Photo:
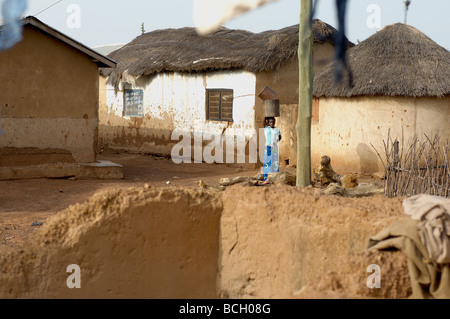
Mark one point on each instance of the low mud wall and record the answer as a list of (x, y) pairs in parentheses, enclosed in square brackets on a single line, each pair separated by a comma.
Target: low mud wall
[(287, 242), (131, 243), (245, 242)]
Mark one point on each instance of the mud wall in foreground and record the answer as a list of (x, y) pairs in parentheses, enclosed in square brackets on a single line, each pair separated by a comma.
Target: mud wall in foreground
[(245, 242), (287, 242), (133, 243)]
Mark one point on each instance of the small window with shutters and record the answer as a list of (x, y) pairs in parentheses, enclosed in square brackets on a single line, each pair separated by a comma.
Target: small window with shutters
[(219, 104)]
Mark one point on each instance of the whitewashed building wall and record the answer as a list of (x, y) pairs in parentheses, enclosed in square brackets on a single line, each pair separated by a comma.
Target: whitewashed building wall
[(175, 101)]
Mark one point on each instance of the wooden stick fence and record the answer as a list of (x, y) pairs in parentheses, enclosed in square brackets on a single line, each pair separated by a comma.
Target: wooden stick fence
[(421, 167)]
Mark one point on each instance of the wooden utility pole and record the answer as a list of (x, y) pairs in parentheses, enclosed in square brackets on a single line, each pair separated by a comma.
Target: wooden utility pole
[(303, 126)]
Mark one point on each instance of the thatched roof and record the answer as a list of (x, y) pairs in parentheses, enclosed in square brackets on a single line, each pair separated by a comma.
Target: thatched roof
[(183, 50), (398, 60)]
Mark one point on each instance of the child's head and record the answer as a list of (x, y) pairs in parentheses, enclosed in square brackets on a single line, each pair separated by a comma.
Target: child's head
[(270, 121)]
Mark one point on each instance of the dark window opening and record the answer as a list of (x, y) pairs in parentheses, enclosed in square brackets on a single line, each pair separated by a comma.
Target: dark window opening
[(219, 104)]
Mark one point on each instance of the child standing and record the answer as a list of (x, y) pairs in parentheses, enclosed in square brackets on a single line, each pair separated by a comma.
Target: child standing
[(273, 136)]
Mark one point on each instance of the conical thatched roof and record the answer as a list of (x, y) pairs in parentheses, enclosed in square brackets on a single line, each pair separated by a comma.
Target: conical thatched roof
[(398, 60), (183, 50)]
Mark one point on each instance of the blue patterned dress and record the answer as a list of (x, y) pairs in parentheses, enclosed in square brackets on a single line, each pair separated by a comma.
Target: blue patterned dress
[(271, 163)]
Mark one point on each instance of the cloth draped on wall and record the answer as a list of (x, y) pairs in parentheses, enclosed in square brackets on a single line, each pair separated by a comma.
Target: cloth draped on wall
[(433, 216), (424, 238), (271, 160)]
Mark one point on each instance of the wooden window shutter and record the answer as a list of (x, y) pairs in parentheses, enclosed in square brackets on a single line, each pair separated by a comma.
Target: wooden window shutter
[(219, 104)]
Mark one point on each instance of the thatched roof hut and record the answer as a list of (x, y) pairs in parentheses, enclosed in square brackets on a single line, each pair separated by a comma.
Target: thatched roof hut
[(398, 60), (183, 50)]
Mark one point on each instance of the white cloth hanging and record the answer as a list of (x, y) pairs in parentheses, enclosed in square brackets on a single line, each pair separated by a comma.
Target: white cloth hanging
[(208, 15)]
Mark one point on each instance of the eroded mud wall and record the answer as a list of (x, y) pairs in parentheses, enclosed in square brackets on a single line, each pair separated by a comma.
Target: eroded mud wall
[(282, 240), (245, 242), (134, 243)]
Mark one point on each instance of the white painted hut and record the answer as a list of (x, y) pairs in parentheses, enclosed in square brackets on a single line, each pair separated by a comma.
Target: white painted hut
[(398, 80)]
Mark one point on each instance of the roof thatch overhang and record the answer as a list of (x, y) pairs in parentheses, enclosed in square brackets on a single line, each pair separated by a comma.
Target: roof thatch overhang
[(183, 50)]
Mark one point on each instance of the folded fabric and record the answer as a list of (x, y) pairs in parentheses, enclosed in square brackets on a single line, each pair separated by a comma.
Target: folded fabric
[(433, 216), (428, 279)]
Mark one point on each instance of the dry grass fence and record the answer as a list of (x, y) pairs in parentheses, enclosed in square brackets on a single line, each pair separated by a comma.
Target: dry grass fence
[(417, 167)]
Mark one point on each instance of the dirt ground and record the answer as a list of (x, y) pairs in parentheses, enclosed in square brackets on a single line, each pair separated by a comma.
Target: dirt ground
[(24, 202)]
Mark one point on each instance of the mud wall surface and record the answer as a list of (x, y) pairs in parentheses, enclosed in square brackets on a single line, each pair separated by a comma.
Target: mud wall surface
[(132, 243), (245, 242), (348, 129), (352, 130), (283, 241), (48, 100)]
